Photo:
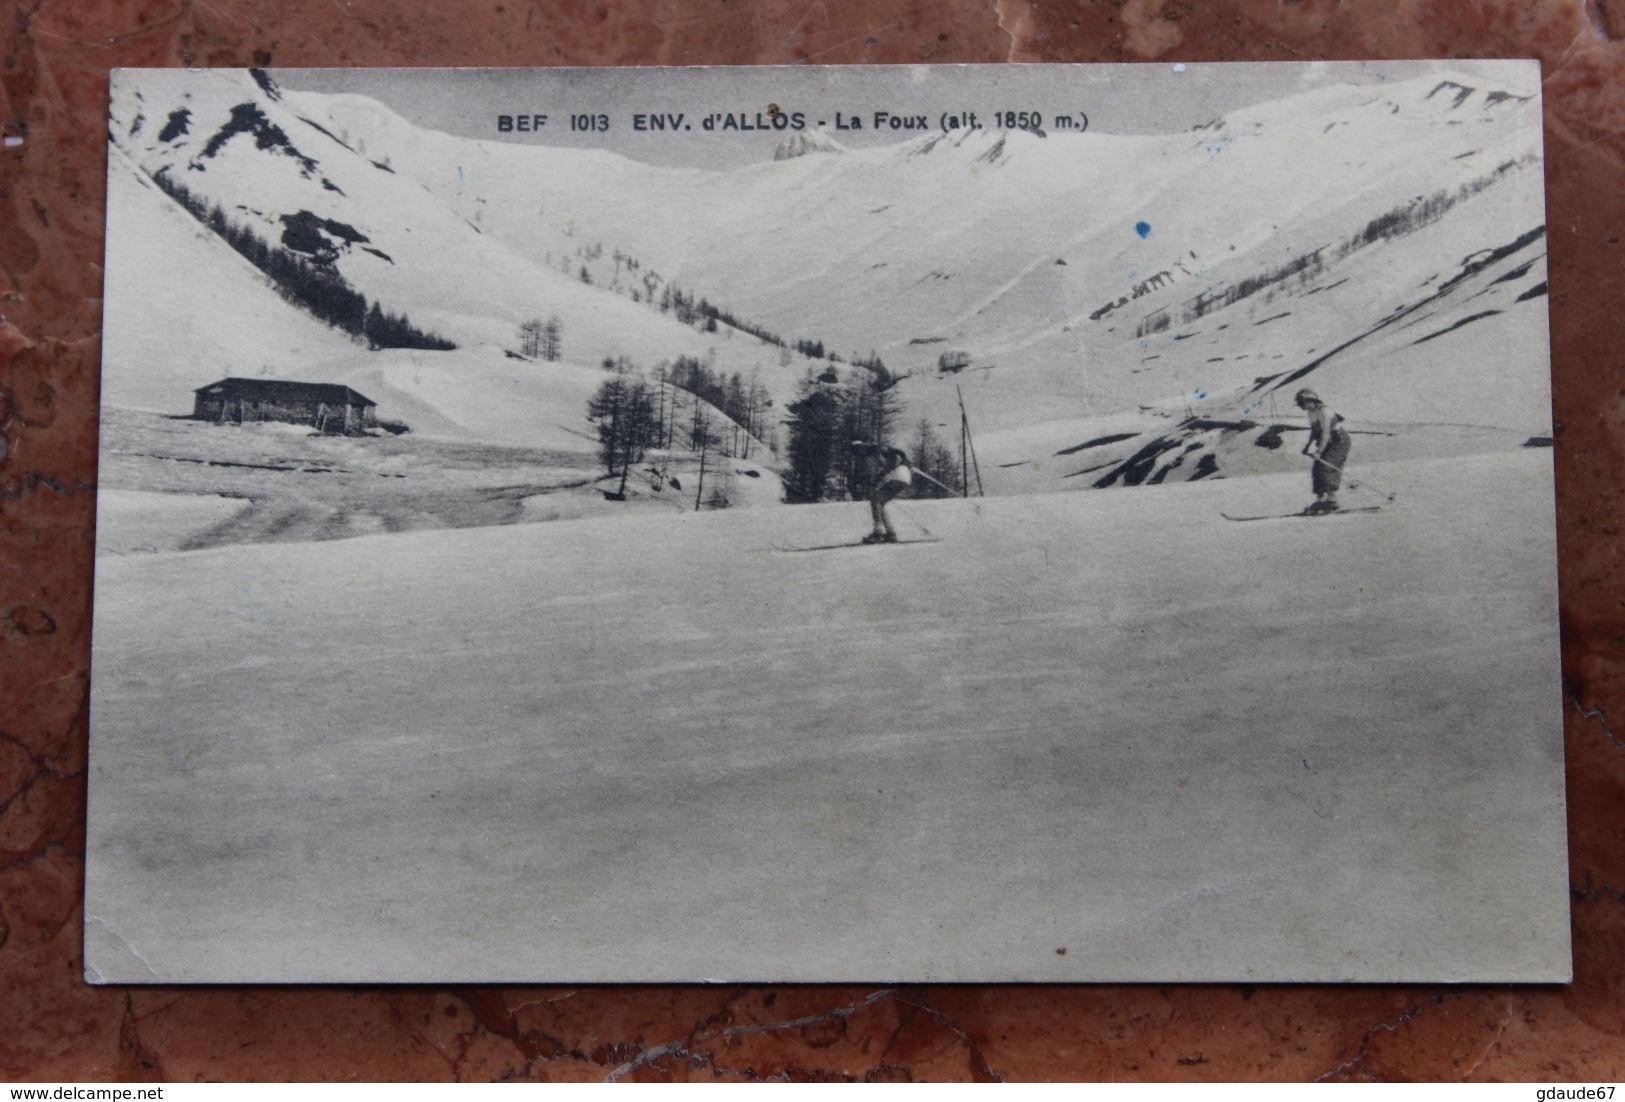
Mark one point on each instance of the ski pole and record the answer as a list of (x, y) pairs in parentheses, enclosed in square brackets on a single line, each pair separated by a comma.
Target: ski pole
[(938, 485), (1356, 484)]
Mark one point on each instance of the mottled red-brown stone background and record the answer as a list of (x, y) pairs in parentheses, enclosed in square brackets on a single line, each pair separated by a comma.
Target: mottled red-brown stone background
[(53, 94)]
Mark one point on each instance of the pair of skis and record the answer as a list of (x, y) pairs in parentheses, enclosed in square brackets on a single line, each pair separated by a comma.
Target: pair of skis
[(1387, 499), (860, 543), (928, 538), (1307, 513)]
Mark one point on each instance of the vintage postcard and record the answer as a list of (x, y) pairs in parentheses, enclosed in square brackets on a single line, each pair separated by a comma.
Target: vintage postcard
[(970, 523)]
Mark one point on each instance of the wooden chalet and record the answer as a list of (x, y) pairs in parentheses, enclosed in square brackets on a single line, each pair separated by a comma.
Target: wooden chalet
[(328, 407)]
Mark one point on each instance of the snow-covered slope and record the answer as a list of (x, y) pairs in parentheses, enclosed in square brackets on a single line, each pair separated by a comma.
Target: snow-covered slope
[(1384, 244), (143, 521), (182, 309), (1097, 273), (478, 393), (233, 142), (239, 146), (585, 717)]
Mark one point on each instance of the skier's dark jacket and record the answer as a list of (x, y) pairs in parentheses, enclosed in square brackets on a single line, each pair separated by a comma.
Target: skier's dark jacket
[(878, 461)]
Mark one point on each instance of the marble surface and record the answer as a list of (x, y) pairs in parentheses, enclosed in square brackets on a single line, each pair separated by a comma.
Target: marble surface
[(53, 86)]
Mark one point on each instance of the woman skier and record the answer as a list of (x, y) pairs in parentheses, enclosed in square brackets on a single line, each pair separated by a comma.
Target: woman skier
[(1329, 444)]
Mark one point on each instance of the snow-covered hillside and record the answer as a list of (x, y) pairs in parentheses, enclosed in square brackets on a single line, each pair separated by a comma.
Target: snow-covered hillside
[(232, 141), (1384, 244), (182, 309)]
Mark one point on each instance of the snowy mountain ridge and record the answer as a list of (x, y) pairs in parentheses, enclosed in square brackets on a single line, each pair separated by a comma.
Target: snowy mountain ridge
[(805, 142), (270, 169), (1143, 278)]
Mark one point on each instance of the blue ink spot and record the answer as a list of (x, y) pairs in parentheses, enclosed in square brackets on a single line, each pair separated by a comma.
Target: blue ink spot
[(1201, 394), (1143, 229)]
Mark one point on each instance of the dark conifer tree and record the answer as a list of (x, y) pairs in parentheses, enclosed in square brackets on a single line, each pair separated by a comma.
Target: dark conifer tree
[(815, 422)]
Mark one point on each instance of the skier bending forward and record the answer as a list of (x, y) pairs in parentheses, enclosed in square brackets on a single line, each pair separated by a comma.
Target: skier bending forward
[(1329, 444), (889, 475)]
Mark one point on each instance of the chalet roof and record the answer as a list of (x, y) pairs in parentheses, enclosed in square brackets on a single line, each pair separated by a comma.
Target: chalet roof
[(286, 390)]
